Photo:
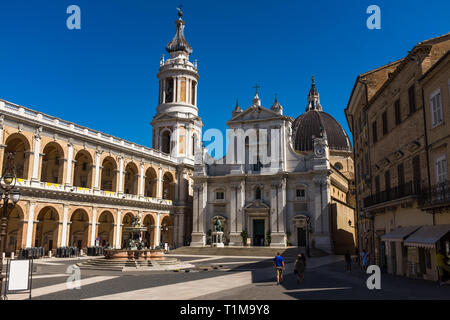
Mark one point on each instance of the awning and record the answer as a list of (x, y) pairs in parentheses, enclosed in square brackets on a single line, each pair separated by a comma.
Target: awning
[(399, 234), (427, 236)]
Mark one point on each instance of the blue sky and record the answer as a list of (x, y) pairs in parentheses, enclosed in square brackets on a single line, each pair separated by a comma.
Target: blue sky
[(104, 75)]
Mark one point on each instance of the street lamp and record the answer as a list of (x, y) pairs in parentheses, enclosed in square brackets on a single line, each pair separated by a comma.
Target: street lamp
[(7, 193)]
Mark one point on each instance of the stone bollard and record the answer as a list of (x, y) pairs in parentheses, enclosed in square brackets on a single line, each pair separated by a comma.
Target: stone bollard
[(12, 255), (50, 254)]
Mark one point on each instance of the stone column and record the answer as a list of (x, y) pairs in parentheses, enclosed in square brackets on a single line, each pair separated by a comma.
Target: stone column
[(158, 230), (69, 164), (182, 183), (277, 213), (321, 235), (180, 228), (121, 173), (160, 184), (69, 227), (176, 185), (30, 224), (64, 238), (98, 154), (188, 139), (141, 180), (36, 157), (118, 240), (235, 238), (200, 200), (94, 226), (174, 137)]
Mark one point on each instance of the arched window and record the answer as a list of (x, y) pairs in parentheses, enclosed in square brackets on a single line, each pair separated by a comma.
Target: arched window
[(168, 187), (83, 170), (131, 178), (338, 166), (109, 171), (165, 142), (194, 84), (169, 90), (19, 146), (52, 163)]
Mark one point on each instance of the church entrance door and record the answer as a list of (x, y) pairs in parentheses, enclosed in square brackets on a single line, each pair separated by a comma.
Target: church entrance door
[(258, 232), (301, 237)]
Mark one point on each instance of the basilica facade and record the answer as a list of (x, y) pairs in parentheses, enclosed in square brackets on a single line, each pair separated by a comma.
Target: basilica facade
[(302, 196), (80, 187)]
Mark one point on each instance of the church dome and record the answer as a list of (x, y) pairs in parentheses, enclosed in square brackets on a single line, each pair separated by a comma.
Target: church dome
[(314, 123)]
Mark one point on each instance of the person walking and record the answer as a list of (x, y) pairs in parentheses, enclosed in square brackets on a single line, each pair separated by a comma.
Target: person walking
[(443, 268), (348, 261), (365, 259), (299, 268), (279, 267)]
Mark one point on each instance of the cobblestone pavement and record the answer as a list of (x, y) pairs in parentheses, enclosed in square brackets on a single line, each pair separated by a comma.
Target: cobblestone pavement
[(231, 278)]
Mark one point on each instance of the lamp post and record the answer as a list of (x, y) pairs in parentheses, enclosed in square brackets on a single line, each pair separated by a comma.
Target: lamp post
[(8, 193), (164, 228)]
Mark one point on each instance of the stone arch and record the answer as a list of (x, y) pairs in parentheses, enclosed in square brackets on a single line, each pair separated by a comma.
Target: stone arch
[(165, 141), (19, 145), (16, 230), (149, 236), (109, 174), (52, 169), (126, 222), (167, 230), (131, 178), (79, 229), (151, 182), (168, 186), (47, 229), (82, 175), (105, 230)]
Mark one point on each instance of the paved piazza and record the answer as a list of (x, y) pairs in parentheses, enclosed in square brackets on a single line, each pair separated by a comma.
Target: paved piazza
[(229, 278)]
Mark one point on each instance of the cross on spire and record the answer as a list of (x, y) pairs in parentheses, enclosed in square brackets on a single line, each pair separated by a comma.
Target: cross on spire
[(180, 10), (256, 88)]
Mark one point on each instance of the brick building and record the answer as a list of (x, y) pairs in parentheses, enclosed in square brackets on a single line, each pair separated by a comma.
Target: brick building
[(397, 116)]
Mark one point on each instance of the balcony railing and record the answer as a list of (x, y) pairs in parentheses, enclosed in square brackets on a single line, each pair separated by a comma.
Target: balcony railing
[(87, 191), (437, 195), (412, 188)]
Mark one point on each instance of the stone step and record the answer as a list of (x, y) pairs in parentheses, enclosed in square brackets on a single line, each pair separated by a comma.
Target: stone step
[(291, 252)]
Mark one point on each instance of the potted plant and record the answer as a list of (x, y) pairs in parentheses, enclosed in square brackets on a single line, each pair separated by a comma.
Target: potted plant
[(244, 235), (268, 238)]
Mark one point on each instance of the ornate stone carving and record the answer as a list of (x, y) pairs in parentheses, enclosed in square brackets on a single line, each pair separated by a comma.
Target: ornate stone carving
[(198, 187)]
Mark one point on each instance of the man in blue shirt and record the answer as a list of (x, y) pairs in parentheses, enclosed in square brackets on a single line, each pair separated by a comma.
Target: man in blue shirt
[(279, 267)]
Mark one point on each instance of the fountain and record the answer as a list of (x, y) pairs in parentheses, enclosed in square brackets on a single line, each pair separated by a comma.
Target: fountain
[(135, 249), (135, 256)]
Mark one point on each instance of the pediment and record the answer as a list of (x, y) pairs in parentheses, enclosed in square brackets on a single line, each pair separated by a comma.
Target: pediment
[(255, 113), (257, 204)]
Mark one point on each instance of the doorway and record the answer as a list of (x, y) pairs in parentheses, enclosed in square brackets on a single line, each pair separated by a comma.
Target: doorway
[(258, 232), (301, 237)]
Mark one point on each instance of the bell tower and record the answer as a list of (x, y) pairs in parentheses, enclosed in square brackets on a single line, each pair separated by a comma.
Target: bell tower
[(177, 128)]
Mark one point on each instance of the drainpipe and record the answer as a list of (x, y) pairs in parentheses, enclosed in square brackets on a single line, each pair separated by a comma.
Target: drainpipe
[(427, 150)]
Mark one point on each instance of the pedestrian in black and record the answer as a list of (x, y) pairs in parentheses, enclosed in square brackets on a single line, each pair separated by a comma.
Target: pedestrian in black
[(348, 261), (299, 268)]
